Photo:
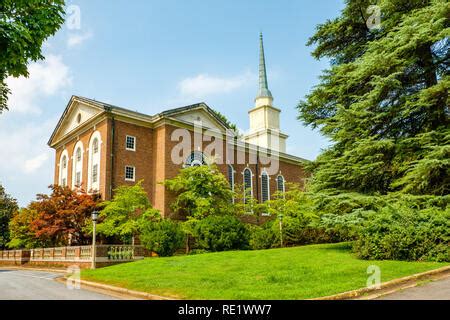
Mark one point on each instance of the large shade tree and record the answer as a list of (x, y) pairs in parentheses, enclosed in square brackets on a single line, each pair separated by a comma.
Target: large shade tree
[(24, 26), (384, 101), (8, 206)]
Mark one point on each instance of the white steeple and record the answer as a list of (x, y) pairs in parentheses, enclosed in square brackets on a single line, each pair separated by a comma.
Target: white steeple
[(264, 117)]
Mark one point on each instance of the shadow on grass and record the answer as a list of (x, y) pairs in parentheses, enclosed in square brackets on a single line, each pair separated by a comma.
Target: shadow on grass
[(342, 246)]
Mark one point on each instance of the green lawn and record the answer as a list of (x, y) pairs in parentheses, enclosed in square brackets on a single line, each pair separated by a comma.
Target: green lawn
[(288, 273)]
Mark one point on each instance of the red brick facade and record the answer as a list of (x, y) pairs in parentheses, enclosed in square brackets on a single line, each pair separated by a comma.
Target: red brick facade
[(152, 156)]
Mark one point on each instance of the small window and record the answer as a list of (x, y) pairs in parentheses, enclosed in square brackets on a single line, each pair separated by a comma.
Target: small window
[(79, 118), (95, 146), (129, 173), (94, 173), (64, 162), (64, 182), (130, 143)]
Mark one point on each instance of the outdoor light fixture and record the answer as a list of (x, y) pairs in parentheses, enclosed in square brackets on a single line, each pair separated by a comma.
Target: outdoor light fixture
[(94, 217)]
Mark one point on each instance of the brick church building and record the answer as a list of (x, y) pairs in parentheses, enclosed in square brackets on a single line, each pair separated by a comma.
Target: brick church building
[(100, 146)]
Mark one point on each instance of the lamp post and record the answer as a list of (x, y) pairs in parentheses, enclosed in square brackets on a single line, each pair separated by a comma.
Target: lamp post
[(94, 217), (280, 217)]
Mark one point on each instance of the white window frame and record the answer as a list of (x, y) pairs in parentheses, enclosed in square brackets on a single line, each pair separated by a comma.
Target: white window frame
[(78, 145), (63, 172), (284, 183), (134, 173), (94, 159), (126, 143)]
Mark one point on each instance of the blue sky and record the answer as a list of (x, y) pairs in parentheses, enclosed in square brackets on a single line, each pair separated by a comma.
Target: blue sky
[(153, 55)]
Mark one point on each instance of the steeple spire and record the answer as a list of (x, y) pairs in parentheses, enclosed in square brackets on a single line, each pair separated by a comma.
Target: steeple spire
[(263, 87)]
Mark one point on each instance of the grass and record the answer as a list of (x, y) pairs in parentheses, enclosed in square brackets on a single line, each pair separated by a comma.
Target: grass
[(288, 273)]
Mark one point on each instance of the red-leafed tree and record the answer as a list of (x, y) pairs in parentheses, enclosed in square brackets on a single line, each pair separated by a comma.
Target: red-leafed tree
[(63, 215)]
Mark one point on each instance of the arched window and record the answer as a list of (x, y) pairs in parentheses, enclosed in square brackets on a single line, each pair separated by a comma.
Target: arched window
[(248, 184), (77, 172), (63, 164), (94, 162), (281, 184), (265, 187), (195, 159)]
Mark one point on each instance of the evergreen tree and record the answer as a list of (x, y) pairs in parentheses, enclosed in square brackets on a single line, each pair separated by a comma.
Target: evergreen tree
[(384, 101)]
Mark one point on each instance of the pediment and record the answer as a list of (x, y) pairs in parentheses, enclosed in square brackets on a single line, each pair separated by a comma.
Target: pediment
[(76, 114), (200, 115)]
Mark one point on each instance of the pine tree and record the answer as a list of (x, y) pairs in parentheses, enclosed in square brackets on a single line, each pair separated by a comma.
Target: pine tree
[(384, 101)]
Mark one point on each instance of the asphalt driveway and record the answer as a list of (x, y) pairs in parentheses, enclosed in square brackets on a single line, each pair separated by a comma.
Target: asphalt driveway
[(435, 290), (38, 285)]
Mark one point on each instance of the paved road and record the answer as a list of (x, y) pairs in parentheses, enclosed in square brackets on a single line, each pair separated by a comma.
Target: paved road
[(37, 285), (436, 290)]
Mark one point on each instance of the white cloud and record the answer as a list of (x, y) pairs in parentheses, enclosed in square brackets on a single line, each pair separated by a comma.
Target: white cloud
[(204, 85), (35, 163), (45, 79), (75, 39)]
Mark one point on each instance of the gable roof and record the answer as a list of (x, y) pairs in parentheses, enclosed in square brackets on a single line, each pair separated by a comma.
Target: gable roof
[(106, 107)]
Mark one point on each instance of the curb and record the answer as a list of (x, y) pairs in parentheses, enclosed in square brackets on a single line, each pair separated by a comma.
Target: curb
[(389, 286), (118, 290)]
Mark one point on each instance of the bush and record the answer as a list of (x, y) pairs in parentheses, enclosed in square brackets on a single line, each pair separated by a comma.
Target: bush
[(400, 232), (163, 237), (220, 233), (263, 237)]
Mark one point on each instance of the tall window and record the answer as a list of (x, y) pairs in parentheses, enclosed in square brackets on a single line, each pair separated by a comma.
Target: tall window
[(248, 185), (265, 188), (230, 172), (130, 143), (77, 173), (195, 159), (95, 146), (63, 164), (95, 173), (280, 183)]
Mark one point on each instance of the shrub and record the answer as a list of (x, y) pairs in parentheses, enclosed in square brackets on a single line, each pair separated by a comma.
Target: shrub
[(263, 237), (163, 237), (220, 233), (400, 232)]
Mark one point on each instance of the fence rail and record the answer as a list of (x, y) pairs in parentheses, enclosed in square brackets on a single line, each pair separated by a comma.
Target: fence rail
[(81, 254)]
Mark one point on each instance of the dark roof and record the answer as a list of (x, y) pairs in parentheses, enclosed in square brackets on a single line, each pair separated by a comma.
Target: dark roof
[(109, 107)]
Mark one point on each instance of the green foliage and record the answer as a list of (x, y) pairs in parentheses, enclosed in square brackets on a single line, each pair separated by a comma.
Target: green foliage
[(164, 237), (22, 234), (200, 191), (221, 233), (24, 26), (124, 215), (8, 206), (263, 237), (400, 232), (388, 121)]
